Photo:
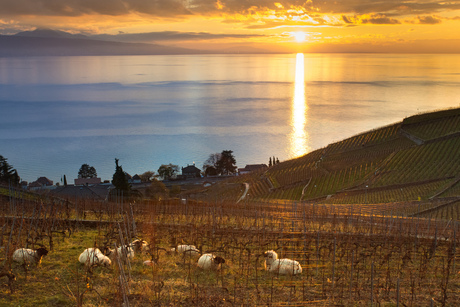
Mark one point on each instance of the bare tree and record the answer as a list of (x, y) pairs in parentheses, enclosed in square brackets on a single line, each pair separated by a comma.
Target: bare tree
[(210, 165)]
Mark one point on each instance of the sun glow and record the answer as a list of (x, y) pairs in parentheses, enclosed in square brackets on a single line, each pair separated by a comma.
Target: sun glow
[(299, 36), (299, 135)]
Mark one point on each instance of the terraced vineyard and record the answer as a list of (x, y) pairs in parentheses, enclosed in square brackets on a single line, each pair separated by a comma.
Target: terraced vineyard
[(428, 128), (417, 159)]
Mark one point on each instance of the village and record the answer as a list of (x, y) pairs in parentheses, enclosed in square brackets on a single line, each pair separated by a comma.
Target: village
[(94, 188)]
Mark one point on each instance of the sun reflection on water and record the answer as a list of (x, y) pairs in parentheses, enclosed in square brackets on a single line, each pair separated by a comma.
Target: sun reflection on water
[(299, 136)]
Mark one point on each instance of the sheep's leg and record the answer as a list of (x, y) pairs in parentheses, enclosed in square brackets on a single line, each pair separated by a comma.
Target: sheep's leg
[(25, 267), (11, 279)]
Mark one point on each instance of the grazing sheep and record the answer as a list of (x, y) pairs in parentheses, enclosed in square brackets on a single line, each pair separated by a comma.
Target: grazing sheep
[(190, 250), (139, 246), (93, 256), (210, 262), (28, 256), (281, 266), (150, 263), (124, 252)]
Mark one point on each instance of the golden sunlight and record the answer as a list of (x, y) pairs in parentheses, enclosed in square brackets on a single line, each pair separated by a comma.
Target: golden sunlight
[(299, 135), (299, 36)]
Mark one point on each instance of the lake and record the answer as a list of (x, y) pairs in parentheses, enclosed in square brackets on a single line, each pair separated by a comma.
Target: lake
[(57, 113)]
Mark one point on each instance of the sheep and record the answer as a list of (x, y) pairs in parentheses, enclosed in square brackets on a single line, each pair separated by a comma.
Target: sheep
[(26, 256), (139, 246), (281, 266), (210, 262), (123, 252), (93, 256), (150, 263), (190, 250)]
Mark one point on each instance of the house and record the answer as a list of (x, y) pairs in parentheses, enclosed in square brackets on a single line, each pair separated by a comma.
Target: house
[(191, 171), (250, 168), (45, 181), (136, 179), (40, 183), (87, 181)]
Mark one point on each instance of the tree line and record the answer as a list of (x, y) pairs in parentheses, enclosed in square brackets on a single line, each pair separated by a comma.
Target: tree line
[(217, 164), (223, 163), (272, 162)]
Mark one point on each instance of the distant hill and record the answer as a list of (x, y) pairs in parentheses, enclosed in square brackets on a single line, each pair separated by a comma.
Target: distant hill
[(48, 33), (417, 160), (242, 50), (44, 42)]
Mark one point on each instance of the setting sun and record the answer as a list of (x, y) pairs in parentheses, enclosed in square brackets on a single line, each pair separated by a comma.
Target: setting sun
[(299, 36)]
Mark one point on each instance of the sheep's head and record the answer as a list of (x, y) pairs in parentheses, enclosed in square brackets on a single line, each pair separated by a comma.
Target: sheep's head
[(106, 262), (41, 252), (270, 256), (218, 260), (139, 245)]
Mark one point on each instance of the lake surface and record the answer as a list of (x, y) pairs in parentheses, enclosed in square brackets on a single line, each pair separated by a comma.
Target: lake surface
[(57, 113)]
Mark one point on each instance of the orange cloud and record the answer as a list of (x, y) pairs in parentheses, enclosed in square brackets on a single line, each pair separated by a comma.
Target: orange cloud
[(378, 19), (427, 20)]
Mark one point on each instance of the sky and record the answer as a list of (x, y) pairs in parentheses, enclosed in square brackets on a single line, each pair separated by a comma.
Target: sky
[(422, 26)]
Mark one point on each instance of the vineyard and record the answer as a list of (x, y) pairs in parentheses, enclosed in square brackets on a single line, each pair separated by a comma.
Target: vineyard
[(433, 125), (415, 160), (351, 255)]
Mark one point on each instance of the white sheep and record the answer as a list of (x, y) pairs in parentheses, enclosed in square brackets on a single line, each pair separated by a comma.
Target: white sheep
[(93, 256), (139, 246), (123, 252), (150, 263), (28, 256), (281, 266), (190, 250), (210, 262)]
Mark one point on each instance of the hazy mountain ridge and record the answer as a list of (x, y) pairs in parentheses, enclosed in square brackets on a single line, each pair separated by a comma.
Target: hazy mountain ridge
[(57, 43), (47, 42), (49, 33)]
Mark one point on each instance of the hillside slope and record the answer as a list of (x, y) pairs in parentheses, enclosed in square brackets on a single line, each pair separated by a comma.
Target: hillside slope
[(416, 159)]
